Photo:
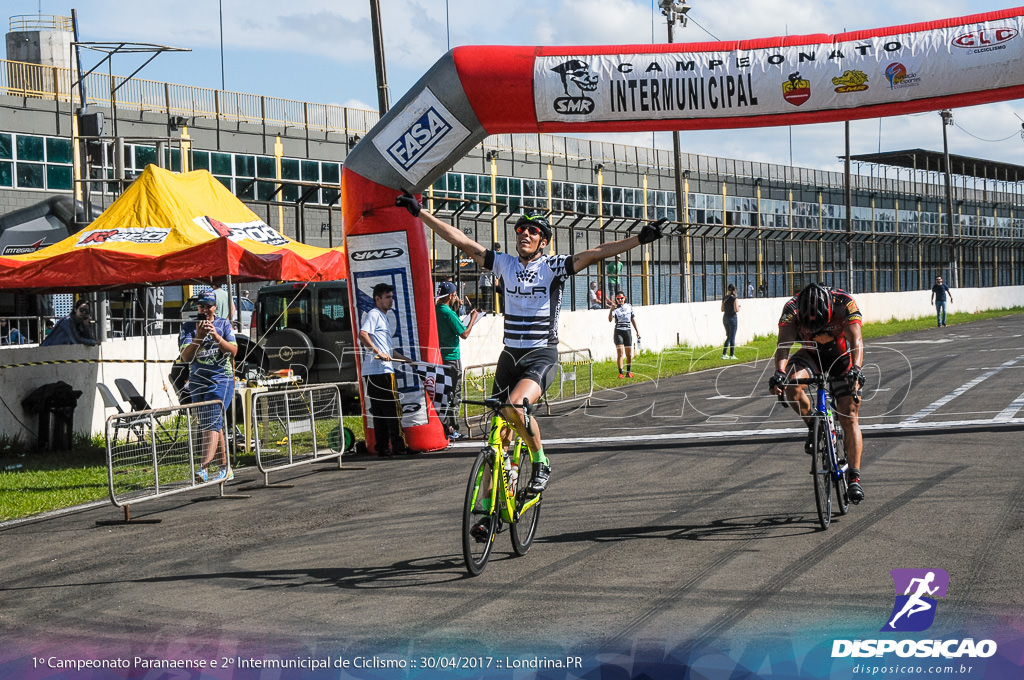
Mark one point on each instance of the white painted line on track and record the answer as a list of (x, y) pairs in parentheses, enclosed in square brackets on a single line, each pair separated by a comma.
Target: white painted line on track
[(1011, 410), (767, 432), (936, 405)]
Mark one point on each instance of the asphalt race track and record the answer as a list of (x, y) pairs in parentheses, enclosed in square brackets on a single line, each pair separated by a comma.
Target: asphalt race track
[(680, 525)]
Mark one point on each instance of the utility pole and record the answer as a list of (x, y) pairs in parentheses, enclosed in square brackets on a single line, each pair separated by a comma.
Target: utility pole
[(675, 10), (378, 58)]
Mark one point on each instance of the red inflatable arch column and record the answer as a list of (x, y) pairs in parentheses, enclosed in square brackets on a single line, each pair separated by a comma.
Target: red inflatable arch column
[(386, 244)]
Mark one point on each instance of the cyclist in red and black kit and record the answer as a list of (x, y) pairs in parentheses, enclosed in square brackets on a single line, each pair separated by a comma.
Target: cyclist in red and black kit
[(827, 323)]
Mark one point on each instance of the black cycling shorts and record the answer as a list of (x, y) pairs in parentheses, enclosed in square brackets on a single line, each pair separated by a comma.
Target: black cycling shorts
[(514, 364), (623, 337), (825, 359)]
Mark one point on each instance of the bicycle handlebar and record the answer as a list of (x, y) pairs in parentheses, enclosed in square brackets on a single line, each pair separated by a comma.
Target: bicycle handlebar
[(496, 405), (816, 380), (813, 380)]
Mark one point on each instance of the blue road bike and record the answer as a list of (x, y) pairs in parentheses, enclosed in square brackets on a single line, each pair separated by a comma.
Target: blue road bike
[(828, 461)]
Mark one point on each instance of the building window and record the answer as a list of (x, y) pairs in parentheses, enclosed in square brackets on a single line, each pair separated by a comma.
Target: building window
[(30, 148), (30, 176)]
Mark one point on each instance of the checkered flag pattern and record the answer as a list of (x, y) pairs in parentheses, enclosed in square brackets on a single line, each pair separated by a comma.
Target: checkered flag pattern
[(438, 381)]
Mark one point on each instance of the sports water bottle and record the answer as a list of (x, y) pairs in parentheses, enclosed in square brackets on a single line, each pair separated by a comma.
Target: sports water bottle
[(508, 475), (513, 476)]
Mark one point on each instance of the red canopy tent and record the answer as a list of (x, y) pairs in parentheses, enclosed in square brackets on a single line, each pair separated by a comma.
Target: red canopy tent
[(169, 228)]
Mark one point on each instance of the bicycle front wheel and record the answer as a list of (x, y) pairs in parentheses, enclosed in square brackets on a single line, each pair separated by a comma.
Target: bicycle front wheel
[(479, 513), (524, 527), (842, 495), (821, 470)]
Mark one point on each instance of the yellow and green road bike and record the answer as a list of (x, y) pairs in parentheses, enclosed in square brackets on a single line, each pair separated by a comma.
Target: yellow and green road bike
[(497, 491)]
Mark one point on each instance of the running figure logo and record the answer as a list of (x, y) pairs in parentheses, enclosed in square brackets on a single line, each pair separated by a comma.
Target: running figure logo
[(916, 593)]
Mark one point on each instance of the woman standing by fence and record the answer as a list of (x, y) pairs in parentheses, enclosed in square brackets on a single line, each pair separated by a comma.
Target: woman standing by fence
[(730, 319)]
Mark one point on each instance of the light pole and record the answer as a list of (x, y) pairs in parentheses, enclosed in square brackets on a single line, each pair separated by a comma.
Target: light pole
[(220, 15), (954, 260), (675, 10)]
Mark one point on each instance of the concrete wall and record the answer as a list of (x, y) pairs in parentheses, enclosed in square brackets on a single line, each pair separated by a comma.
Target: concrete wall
[(661, 327), (103, 364), (700, 324)]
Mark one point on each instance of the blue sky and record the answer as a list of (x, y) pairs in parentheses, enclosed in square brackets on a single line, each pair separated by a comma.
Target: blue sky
[(321, 51)]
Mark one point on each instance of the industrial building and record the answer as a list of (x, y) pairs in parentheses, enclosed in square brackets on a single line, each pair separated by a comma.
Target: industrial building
[(769, 225)]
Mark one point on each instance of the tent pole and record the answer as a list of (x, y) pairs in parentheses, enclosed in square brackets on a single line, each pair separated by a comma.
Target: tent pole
[(230, 408), (145, 340)]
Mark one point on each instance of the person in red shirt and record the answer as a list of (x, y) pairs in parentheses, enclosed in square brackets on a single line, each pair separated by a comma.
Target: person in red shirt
[(827, 324)]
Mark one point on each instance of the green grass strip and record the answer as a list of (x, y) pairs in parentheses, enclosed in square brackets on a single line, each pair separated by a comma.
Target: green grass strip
[(35, 482)]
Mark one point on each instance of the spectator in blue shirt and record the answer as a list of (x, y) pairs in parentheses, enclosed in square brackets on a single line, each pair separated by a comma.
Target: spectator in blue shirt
[(939, 293)]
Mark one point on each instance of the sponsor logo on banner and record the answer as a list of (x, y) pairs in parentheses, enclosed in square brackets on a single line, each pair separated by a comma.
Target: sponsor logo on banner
[(142, 235), (747, 81), (796, 90), (384, 258), (376, 254), (914, 609), (257, 230), (851, 81), (985, 39), (640, 86), (900, 77), (23, 249), (577, 80), (422, 135)]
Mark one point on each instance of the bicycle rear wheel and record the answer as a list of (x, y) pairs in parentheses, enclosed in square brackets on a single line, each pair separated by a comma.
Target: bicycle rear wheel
[(842, 496), (821, 470), (480, 494), (524, 528)]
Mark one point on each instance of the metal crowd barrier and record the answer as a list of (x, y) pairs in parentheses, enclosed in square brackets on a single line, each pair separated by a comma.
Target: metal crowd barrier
[(569, 385), (574, 381), (292, 427), (155, 453)]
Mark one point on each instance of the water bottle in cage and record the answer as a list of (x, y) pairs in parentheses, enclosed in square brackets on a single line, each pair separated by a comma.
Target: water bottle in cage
[(508, 476)]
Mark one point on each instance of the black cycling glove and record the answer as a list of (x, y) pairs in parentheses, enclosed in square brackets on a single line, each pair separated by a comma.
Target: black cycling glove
[(855, 377), (777, 380), (409, 202), (652, 231)]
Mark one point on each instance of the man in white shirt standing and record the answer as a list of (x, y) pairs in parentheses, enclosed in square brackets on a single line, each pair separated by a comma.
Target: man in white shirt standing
[(379, 374)]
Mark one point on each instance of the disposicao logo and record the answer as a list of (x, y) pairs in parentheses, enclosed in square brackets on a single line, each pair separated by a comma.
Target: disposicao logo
[(917, 594)]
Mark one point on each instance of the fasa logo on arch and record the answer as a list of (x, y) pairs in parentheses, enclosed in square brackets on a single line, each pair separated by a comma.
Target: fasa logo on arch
[(421, 136), (917, 591)]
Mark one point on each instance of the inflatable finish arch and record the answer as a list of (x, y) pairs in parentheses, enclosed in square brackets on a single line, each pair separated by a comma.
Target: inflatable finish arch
[(473, 92)]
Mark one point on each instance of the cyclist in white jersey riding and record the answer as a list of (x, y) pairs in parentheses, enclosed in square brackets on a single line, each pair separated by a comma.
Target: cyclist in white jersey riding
[(532, 300)]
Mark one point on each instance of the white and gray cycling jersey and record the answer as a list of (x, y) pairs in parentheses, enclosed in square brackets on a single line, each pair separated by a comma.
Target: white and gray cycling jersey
[(533, 296), (623, 314)]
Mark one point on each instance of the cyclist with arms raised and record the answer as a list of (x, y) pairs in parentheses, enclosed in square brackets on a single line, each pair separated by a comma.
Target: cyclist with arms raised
[(827, 322), (532, 300)]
